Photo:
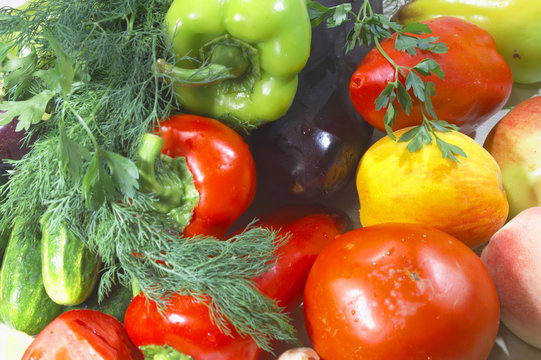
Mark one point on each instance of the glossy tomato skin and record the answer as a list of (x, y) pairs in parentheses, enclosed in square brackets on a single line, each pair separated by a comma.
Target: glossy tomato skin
[(312, 227), (477, 81), (187, 325), (222, 166), (83, 335), (400, 291)]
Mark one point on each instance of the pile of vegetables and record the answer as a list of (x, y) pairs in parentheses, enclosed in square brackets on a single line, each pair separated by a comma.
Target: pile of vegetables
[(170, 172)]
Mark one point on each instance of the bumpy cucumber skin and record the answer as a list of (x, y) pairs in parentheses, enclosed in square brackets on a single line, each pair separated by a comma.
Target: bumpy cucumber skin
[(69, 269), (24, 303)]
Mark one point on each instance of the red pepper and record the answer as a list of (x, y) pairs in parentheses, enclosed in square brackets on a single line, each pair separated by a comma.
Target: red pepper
[(83, 335), (187, 325), (219, 164), (477, 80)]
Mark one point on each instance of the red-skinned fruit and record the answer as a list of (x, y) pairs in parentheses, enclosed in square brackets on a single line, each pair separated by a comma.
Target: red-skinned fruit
[(187, 325), (222, 167), (400, 291), (477, 80), (83, 335)]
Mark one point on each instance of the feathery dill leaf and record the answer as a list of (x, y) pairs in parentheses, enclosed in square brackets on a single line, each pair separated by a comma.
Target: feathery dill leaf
[(96, 57)]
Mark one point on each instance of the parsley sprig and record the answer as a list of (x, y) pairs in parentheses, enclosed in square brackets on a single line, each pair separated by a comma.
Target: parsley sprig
[(370, 28)]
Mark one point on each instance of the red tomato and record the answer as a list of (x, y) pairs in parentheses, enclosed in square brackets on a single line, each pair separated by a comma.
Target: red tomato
[(312, 228), (83, 335), (187, 325), (400, 291), (477, 81), (222, 166)]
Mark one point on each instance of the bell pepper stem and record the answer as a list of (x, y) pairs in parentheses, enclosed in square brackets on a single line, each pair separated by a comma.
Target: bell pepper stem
[(224, 58), (168, 179)]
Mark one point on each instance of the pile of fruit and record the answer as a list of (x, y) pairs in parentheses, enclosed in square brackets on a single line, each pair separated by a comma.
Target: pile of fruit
[(249, 180)]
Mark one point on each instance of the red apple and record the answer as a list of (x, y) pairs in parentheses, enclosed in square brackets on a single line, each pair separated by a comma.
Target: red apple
[(513, 260), (515, 143)]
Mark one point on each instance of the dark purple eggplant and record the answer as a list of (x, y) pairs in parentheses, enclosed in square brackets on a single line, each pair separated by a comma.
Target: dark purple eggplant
[(313, 151), (12, 144)]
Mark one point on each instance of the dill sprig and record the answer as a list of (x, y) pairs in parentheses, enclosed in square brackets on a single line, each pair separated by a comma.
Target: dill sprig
[(85, 70)]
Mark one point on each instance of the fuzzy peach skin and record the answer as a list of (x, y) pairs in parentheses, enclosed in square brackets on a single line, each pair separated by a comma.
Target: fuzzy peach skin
[(515, 144), (513, 259)]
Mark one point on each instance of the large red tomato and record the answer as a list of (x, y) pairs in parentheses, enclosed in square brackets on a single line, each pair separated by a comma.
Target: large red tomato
[(400, 291)]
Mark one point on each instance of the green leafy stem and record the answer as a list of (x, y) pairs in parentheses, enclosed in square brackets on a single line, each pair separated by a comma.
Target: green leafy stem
[(369, 28)]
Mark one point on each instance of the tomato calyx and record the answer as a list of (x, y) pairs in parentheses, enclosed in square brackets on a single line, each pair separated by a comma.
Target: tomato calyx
[(162, 352), (168, 179)]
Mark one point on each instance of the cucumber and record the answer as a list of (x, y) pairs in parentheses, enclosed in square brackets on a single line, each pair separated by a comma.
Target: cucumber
[(69, 269), (24, 303)]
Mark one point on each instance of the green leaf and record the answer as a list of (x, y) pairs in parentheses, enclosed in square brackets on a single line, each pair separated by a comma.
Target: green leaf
[(72, 154), (29, 111), (124, 172), (417, 29), (429, 91), (449, 150), (97, 184), (101, 184), (334, 16), (339, 15), (404, 99), (414, 81), (443, 126), (416, 138), (384, 97), (405, 43), (19, 72), (389, 120), (429, 66), (64, 66)]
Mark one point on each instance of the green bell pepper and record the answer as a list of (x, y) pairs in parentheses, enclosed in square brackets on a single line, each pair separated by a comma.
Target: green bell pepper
[(252, 51), (515, 26)]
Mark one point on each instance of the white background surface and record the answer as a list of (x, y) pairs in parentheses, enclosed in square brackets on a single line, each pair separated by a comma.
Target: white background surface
[(508, 346)]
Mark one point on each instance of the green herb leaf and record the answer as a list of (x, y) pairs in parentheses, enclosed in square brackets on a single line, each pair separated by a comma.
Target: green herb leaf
[(29, 111), (124, 172), (72, 154), (414, 81), (406, 43), (450, 150), (19, 72), (334, 16), (404, 99), (416, 138), (97, 184), (101, 184), (383, 99), (416, 28), (429, 66)]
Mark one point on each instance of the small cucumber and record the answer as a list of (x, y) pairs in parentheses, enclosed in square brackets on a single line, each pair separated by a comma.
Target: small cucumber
[(24, 303), (70, 270)]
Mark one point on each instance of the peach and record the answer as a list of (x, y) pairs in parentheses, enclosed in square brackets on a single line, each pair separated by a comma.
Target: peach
[(513, 259), (515, 144)]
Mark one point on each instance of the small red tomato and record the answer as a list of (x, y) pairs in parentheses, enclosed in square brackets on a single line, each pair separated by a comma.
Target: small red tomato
[(83, 335), (222, 166), (400, 291)]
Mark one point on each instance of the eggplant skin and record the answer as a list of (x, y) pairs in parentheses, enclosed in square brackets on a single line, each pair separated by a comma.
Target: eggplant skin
[(313, 151), (12, 146)]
